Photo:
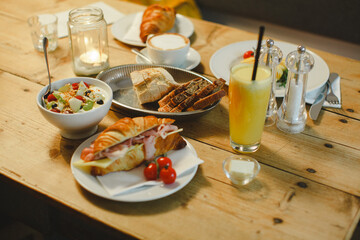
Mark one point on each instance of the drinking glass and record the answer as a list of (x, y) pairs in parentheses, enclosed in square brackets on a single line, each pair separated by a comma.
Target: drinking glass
[(248, 104), (44, 25)]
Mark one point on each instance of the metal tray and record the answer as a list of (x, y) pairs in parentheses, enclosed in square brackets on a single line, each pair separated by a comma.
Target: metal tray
[(126, 100)]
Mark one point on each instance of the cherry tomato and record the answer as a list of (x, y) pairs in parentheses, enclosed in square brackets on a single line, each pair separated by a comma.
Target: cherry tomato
[(80, 98), (168, 175), (164, 161), (75, 86), (248, 54), (51, 97), (150, 172)]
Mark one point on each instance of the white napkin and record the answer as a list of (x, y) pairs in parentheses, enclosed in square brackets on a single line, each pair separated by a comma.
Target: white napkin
[(133, 33), (110, 14), (119, 182), (310, 98)]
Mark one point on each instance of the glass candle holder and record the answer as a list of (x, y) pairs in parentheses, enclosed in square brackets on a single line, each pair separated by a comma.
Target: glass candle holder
[(88, 41)]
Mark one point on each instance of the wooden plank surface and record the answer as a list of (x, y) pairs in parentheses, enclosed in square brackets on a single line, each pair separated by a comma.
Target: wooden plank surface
[(277, 203), (308, 186)]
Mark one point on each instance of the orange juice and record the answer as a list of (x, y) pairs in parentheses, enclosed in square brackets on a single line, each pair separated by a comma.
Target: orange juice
[(248, 104)]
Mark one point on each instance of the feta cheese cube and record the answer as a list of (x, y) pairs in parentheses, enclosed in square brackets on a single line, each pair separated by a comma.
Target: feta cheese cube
[(75, 104)]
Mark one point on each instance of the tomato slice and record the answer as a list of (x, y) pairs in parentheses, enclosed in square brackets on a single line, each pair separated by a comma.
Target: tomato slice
[(87, 85), (51, 97), (75, 86), (80, 98), (55, 110)]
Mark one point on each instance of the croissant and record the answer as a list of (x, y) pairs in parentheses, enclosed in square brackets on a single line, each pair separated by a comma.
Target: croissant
[(127, 143), (156, 19)]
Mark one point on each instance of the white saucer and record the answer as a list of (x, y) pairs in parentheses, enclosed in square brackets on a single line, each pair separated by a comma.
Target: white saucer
[(193, 59)]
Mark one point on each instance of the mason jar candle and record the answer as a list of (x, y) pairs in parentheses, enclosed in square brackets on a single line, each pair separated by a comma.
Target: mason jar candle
[(88, 41)]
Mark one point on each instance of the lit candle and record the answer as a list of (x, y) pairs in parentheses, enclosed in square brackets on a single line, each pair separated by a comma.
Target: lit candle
[(93, 58), (91, 62)]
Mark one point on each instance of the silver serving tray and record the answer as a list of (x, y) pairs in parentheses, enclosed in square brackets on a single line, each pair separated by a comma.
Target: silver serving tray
[(126, 100)]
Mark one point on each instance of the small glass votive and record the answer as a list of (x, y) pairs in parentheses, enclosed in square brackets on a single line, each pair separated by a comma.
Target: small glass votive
[(44, 25), (241, 169), (88, 41)]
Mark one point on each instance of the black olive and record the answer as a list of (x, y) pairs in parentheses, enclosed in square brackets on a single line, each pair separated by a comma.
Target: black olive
[(100, 102), (87, 93), (54, 105)]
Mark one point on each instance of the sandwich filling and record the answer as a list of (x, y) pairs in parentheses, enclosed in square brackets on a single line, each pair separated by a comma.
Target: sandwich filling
[(146, 139)]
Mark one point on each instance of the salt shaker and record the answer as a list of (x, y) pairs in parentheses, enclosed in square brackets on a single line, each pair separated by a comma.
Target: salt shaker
[(88, 41), (271, 55), (292, 113)]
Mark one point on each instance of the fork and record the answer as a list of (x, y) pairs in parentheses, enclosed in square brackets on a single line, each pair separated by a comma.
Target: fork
[(331, 97)]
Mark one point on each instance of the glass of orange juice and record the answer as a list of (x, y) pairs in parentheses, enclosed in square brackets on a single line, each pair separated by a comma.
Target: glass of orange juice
[(248, 104)]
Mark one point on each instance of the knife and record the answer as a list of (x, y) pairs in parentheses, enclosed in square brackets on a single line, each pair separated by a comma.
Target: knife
[(318, 103)]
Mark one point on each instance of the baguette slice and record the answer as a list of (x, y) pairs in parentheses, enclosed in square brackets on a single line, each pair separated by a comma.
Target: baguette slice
[(207, 101), (166, 99), (201, 93), (190, 90), (152, 84)]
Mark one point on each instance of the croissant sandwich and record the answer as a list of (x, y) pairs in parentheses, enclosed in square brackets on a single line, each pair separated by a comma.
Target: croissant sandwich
[(129, 142), (156, 19)]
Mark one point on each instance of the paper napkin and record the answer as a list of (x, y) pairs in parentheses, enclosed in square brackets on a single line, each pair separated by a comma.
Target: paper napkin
[(120, 182), (310, 98), (111, 15), (133, 34)]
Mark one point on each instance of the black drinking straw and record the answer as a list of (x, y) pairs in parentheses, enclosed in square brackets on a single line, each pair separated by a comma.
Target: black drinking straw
[(261, 34)]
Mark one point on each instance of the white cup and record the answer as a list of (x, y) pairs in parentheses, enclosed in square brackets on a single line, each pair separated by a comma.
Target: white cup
[(168, 48)]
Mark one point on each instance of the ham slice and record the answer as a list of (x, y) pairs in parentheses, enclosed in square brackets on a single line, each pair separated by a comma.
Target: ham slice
[(119, 150)]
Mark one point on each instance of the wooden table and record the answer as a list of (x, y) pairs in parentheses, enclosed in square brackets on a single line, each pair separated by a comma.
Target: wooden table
[(308, 187)]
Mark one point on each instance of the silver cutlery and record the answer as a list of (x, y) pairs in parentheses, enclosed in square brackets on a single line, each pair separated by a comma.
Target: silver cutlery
[(137, 52), (331, 97), (48, 90), (318, 103)]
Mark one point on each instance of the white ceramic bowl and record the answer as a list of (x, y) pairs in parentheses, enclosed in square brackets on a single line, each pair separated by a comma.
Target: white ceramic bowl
[(77, 125)]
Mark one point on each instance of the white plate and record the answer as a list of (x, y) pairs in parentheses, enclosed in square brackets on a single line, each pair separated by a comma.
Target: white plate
[(221, 60), (182, 26), (141, 194), (192, 60)]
